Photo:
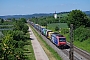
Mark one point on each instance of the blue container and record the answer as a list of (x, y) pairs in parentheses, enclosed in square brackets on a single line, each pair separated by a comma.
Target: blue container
[(54, 38), (42, 28)]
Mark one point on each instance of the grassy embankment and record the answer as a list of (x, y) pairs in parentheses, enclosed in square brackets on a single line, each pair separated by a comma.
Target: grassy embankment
[(51, 53), (85, 45)]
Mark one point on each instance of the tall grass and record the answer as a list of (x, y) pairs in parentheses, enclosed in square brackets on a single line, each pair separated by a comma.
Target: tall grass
[(85, 45)]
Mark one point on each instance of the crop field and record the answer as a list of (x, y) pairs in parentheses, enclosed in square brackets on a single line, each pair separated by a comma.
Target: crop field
[(60, 25), (62, 15)]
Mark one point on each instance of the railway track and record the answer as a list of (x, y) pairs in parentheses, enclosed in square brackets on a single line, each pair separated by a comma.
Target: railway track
[(78, 53), (67, 53), (84, 54)]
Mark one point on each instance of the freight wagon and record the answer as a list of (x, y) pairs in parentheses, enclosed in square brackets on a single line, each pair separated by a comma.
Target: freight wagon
[(42, 29), (56, 38), (47, 33)]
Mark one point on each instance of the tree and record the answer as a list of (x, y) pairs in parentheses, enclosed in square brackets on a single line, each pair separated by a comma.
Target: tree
[(77, 18), (1, 51), (8, 46), (81, 34), (17, 35), (57, 28), (13, 19), (2, 21), (63, 19), (19, 25), (23, 20), (25, 28), (12, 44), (1, 35), (88, 23), (9, 19)]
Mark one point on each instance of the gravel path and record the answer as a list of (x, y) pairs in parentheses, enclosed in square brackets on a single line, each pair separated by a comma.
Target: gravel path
[(38, 50)]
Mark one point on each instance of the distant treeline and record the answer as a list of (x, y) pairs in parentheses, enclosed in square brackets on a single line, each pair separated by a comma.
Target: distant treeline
[(37, 15)]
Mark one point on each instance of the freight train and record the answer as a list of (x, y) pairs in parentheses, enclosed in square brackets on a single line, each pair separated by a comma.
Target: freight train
[(56, 38)]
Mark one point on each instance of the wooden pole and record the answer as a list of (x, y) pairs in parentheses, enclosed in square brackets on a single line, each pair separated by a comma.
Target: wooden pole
[(71, 42)]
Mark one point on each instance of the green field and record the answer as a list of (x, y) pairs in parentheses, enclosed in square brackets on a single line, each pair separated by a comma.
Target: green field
[(62, 15), (60, 25)]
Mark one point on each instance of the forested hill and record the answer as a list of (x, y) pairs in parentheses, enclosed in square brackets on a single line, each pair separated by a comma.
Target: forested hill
[(36, 15), (65, 13), (26, 16), (87, 12)]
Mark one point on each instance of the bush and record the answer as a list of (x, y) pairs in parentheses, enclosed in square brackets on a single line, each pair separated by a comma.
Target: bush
[(19, 53), (56, 28), (11, 57), (81, 34), (17, 35), (21, 26), (65, 30), (19, 44), (1, 51)]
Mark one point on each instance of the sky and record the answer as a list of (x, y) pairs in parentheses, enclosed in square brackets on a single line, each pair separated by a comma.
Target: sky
[(24, 7)]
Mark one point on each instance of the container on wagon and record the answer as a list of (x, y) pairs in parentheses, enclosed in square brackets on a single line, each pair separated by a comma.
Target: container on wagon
[(42, 28), (47, 33), (44, 31)]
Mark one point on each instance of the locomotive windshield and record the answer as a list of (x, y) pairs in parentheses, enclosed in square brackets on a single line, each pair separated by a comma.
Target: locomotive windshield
[(62, 39)]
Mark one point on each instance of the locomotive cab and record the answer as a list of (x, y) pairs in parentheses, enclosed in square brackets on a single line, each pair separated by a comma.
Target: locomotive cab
[(62, 41)]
